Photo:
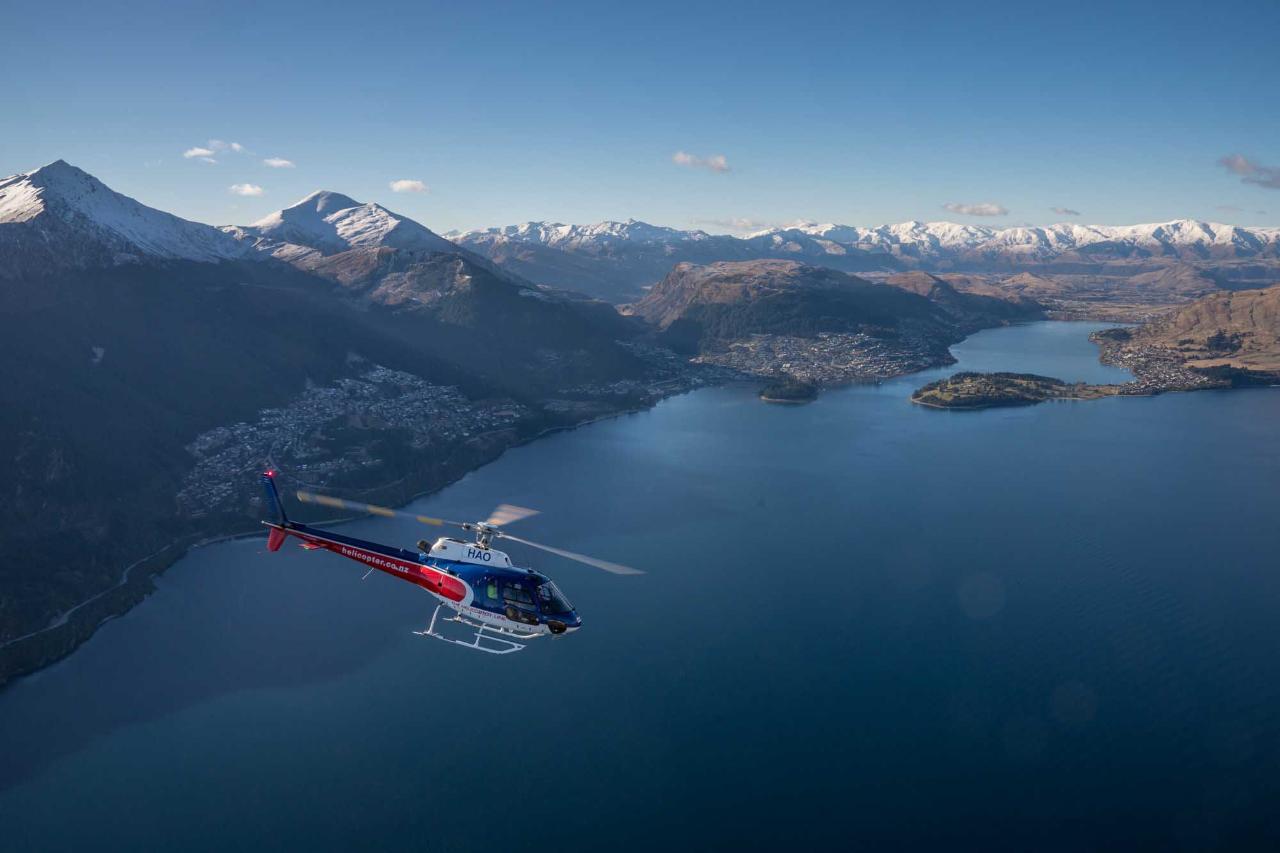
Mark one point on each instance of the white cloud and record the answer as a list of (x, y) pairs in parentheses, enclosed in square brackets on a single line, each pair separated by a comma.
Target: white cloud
[(715, 163), (983, 209), (404, 185), (206, 153), (246, 189), (1065, 211), (278, 163)]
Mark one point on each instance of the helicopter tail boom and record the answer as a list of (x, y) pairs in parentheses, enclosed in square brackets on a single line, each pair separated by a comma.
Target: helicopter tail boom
[(276, 508)]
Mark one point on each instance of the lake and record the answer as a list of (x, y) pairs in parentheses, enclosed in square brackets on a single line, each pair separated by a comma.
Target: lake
[(864, 623)]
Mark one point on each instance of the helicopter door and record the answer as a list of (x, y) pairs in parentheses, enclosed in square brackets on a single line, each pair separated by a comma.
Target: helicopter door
[(487, 593), (518, 604)]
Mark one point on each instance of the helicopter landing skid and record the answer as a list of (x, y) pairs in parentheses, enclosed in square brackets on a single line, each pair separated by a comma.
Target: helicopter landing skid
[(488, 643)]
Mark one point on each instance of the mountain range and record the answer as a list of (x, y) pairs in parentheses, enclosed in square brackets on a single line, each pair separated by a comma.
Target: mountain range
[(152, 364), (1186, 239), (61, 217), (618, 260)]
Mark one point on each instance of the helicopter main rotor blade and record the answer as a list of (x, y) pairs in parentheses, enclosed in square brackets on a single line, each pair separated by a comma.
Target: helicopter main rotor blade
[(506, 513), (615, 568), (371, 509)]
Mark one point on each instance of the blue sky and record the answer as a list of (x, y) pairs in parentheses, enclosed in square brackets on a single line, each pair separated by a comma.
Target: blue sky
[(854, 113)]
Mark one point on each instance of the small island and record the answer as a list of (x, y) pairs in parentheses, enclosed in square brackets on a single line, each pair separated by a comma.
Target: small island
[(789, 389), (986, 390)]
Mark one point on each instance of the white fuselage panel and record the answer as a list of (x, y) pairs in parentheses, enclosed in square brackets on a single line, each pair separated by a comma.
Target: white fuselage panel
[(469, 552)]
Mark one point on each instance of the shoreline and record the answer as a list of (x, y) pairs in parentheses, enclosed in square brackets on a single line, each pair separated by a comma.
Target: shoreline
[(32, 652)]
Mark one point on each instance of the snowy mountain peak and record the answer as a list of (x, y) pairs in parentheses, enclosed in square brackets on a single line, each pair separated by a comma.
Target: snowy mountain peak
[(25, 196), (558, 235), (80, 221), (936, 240), (308, 212), (60, 171), (327, 201), (329, 222)]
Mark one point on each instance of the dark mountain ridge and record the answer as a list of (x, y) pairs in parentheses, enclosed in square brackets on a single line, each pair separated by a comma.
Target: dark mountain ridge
[(701, 305), (133, 337)]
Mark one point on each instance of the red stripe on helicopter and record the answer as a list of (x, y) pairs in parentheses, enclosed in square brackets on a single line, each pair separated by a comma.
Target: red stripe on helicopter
[(424, 576)]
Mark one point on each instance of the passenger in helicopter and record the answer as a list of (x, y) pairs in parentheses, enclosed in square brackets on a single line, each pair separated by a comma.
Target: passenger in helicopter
[(519, 603)]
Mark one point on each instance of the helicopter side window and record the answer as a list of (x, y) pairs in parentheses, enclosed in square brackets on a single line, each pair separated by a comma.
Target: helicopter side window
[(516, 594)]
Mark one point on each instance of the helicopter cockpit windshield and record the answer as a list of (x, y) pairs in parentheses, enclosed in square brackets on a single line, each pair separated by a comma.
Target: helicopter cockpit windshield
[(552, 601)]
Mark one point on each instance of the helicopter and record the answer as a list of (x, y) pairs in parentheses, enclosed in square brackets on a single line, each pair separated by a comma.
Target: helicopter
[(506, 606)]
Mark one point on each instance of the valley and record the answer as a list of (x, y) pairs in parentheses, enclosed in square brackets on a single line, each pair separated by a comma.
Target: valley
[(154, 365)]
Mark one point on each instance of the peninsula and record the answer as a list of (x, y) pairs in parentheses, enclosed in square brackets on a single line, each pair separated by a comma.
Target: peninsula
[(971, 390)]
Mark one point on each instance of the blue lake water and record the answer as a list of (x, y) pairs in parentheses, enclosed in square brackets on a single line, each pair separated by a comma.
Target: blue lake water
[(864, 624)]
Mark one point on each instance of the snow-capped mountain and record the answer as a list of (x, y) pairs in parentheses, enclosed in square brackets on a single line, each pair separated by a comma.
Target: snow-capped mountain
[(561, 236), (328, 223), (618, 260), (917, 239), (371, 252), (59, 217), (1185, 239)]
